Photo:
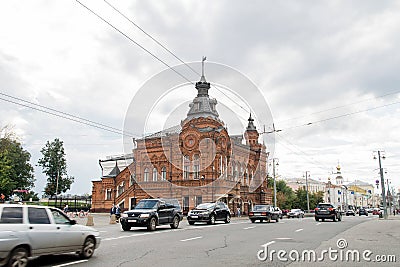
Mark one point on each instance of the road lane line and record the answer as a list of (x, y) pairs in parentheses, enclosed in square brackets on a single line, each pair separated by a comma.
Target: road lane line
[(299, 230), (70, 263), (193, 238), (318, 223), (283, 238), (250, 227), (267, 244)]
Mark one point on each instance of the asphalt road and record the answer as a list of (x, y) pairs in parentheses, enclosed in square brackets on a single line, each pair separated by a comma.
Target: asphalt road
[(236, 244)]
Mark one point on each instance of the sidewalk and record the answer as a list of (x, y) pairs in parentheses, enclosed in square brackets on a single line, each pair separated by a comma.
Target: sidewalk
[(377, 238)]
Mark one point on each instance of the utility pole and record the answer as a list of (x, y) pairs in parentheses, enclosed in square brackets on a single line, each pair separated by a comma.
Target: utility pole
[(385, 212), (308, 200)]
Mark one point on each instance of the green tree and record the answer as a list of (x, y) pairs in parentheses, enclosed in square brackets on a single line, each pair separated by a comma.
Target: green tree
[(16, 172), (284, 195), (54, 166), (301, 199)]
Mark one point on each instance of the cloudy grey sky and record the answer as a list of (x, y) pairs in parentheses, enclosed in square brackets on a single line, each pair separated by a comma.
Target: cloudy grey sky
[(312, 60)]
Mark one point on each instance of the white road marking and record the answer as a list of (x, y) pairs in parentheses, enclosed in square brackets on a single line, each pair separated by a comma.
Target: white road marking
[(283, 238), (70, 263), (173, 230), (267, 244), (318, 223), (193, 238), (251, 227), (299, 230)]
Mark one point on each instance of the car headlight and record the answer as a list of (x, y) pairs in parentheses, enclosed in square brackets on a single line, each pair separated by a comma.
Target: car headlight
[(124, 215), (145, 215)]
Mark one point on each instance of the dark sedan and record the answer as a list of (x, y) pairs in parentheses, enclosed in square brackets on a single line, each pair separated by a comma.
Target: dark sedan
[(263, 213), (363, 211), (209, 213)]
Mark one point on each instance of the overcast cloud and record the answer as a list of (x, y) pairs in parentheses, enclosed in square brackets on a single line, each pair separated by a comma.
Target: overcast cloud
[(312, 60)]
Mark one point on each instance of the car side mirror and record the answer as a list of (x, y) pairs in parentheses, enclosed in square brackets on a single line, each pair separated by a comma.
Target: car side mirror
[(73, 222), (162, 206)]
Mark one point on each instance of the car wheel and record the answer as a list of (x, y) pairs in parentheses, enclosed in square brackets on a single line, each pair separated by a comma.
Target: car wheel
[(252, 220), (18, 257), (191, 222), (212, 219), (88, 248), (152, 224), (228, 219), (175, 223), (298, 216), (125, 227)]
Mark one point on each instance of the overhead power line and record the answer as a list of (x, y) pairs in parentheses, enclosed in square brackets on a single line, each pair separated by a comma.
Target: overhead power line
[(63, 115), (342, 106), (160, 44), (133, 41), (339, 116)]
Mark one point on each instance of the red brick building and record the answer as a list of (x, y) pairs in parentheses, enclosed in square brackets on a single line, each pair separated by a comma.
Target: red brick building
[(194, 162)]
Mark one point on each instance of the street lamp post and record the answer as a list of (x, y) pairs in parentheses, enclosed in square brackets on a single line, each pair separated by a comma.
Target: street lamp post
[(308, 199), (273, 173), (385, 213)]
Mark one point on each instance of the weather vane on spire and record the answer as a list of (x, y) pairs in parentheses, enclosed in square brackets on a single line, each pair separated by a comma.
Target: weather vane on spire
[(202, 65)]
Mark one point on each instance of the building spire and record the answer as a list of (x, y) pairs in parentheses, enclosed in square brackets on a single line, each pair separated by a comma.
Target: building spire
[(250, 126), (203, 78)]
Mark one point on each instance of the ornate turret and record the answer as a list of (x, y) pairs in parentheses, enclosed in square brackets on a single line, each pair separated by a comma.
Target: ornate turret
[(202, 105), (251, 133)]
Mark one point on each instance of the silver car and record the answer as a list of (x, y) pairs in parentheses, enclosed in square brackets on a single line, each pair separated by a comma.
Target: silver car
[(28, 230)]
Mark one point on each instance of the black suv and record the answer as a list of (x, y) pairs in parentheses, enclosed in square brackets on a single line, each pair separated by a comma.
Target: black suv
[(209, 212), (153, 212), (327, 211)]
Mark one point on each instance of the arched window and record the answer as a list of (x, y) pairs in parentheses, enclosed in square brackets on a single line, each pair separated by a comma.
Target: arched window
[(233, 170), (186, 167), (163, 173), (236, 173), (196, 167), (154, 174), (146, 175)]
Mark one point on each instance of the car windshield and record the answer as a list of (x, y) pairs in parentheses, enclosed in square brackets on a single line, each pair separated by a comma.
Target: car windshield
[(147, 204), (205, 206), (261, 207)]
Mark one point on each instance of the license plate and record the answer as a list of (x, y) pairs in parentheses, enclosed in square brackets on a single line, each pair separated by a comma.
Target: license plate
[(132, 220), (257, 214), (195, 216)]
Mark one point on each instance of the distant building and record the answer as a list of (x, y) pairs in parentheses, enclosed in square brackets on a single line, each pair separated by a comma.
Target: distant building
[(196, 161)]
